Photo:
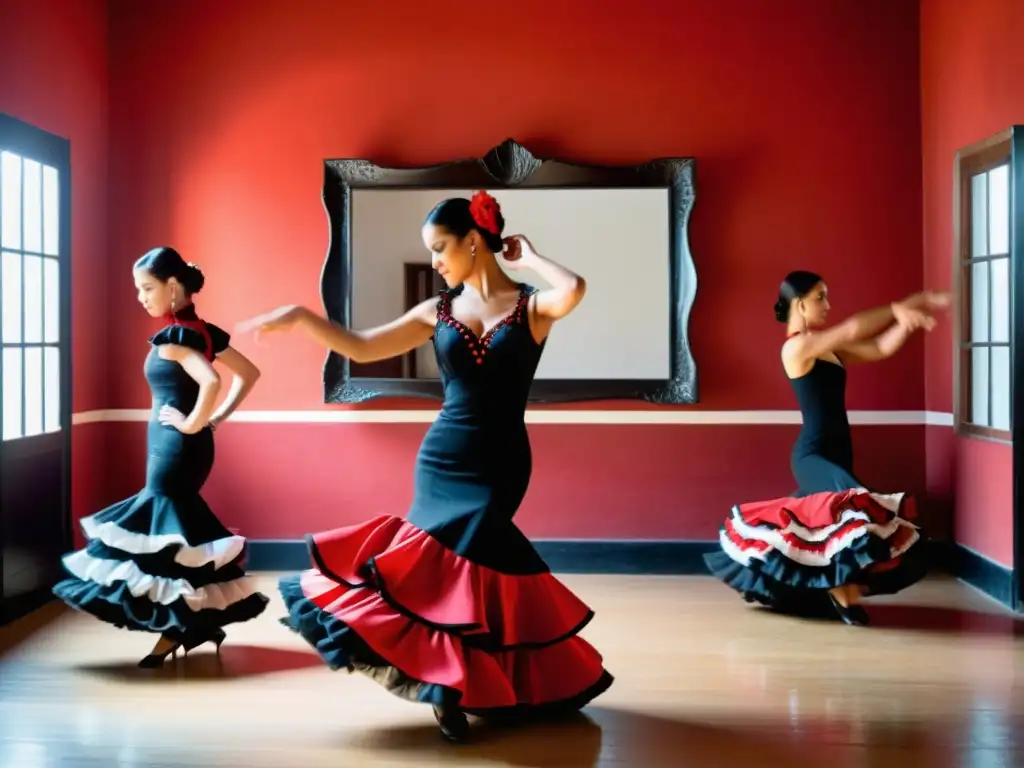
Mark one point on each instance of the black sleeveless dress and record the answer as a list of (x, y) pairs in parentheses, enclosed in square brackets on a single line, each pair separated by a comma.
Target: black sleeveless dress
[(160, 561), (786, 553), (452, 605)]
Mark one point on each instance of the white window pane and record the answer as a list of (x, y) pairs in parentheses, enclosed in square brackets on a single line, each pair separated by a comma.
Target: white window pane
[(10, 297), (1000, 299), (51, 396), (51, 301), (32, 205), (33, 390), (1001, 387), (979, 386), (33, 298), (979, 301), (51, 211), (999, 210), (10, 200), (979, 215), (12, 392)]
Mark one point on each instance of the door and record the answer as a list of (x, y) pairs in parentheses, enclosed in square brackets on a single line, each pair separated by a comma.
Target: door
[(421, 283), (35, 363)]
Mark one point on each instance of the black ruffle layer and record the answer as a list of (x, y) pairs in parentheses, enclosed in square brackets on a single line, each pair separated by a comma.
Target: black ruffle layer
[(115, 604)]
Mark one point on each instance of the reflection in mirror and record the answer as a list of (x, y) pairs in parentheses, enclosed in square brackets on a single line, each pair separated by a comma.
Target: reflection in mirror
[(624, 228), (617, 239)]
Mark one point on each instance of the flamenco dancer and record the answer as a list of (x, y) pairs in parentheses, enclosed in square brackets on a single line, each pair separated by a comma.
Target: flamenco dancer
[(834, 541), (160, 561), (452, 606)]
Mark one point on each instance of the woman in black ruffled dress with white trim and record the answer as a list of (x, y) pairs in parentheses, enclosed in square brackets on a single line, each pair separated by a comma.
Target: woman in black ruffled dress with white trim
[(161, 561)]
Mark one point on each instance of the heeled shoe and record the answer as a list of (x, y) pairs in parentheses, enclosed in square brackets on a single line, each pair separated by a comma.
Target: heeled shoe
[(854, 615), (156, 660), (216, 637), (453, 723)]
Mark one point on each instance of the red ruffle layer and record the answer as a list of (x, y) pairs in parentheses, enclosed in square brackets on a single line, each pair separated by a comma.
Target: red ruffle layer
[(446, 590), (820, 510), (421, 607)]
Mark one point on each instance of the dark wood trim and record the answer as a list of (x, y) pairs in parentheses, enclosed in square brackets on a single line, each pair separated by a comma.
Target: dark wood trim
[(976, 158), (18, 606), (511, 165), (667, 557), (1017, 355), (607, 556), (988, 576)]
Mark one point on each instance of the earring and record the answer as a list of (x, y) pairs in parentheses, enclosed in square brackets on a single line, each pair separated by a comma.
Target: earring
[(472, 250), (174, 303)]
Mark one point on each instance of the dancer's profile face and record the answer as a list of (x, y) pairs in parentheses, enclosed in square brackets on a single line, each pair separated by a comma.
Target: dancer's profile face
[(450, 256), (155, 295), (814, 305)]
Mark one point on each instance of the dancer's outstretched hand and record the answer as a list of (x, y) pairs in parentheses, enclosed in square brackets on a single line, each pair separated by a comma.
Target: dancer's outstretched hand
[(912, 319), (280, 319), (936, 301)]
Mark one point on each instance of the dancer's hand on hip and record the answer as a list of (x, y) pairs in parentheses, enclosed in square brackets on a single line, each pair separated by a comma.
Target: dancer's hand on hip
[(280, 319), (171, 417)]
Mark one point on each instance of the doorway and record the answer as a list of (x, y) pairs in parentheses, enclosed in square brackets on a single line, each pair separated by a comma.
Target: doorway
[(35, 363)]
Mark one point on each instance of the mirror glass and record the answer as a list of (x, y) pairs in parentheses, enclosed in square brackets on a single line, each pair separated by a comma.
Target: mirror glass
[(617, 239)]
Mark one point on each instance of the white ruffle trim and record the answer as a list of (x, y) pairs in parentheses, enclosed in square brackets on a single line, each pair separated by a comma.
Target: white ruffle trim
[(219, 552), (837, 536), (157, 589)]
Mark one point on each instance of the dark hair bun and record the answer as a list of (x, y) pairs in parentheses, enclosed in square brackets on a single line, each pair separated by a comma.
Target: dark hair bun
[(782, 310), (164, 262), (192, 278), (456, 214)]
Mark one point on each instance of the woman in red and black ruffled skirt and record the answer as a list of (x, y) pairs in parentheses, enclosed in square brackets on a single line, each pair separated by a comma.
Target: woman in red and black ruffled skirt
[(833, 541), (452, 606)]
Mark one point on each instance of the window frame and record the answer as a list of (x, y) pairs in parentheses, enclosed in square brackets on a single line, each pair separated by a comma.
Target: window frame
[(978, 158), (23, 346)]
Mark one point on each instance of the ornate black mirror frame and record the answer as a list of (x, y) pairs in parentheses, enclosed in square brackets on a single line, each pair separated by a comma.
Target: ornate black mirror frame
[(510, 165)]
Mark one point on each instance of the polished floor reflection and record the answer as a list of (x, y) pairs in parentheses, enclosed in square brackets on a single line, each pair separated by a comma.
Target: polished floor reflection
[(702, 680)]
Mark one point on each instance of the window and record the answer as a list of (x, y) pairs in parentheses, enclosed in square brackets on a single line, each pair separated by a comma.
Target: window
[(983, 280), (30, 268)]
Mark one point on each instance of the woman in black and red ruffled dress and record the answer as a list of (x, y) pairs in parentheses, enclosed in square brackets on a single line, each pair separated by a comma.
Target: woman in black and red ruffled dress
[(452, 606), (833, 541)]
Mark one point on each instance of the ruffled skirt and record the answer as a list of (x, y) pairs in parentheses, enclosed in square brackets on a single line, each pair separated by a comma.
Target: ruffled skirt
[(388, 600), (159, 564), (785, 553)]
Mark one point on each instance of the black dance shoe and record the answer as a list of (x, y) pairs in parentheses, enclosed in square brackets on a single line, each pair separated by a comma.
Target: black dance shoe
[(216, 637), (453, 723), (854, 615), (156, 660)]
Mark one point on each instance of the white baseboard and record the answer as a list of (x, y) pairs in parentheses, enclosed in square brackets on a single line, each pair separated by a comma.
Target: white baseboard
[(541, 416)]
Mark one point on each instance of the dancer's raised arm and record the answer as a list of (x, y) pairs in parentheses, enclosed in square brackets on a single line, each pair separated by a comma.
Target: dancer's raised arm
[(567, 288), (803, 305)]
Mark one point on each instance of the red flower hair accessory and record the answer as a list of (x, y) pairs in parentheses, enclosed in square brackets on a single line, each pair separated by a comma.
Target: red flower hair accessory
[(485, 209)]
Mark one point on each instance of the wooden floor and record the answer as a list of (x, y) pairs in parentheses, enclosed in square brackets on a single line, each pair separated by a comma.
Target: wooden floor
[(702, 680)]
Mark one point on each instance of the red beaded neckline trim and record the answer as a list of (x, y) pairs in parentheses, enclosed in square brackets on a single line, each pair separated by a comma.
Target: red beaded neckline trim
[(479, 345)]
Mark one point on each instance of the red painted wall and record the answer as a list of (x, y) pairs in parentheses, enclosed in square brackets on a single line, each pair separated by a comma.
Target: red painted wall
[(971, 58), (805, 120), (54, 65)]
